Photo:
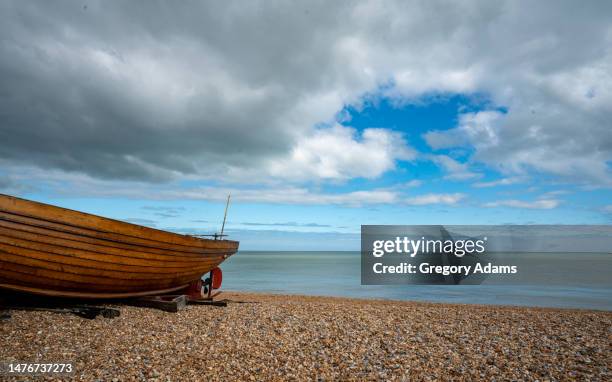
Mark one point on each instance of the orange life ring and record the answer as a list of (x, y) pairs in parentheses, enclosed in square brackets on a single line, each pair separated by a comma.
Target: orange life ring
[(217, 277)]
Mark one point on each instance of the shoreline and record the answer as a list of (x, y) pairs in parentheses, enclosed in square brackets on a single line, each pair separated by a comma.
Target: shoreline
[(263, 336), (425, 302)]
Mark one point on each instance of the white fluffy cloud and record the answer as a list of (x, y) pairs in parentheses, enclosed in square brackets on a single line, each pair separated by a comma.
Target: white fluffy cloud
[(515, 144), (340, 153), (540, 204), (435, 199), (455, 170), (474, 128), (500, 182)]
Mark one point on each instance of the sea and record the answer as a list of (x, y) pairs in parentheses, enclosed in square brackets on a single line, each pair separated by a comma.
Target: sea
[(564, 280)]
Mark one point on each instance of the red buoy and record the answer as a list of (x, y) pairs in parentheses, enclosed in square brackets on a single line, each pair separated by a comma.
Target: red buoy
[(217, 277)]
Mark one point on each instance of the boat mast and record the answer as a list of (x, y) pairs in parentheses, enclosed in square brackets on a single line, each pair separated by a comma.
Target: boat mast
[(225, 215)]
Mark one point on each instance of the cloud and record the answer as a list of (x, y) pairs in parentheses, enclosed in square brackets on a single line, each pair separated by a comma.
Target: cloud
[(435, 199), (6, 184), (130, 91), (607, 209), (59, 183), (285, 195), (455, 170), (338, 153), (140, 221), (553, 194), (500, 182), (540, 204), (281, 240), (164, 211), (473, 127), (412, 183), (287, 224), (9, 185), (514, 143)]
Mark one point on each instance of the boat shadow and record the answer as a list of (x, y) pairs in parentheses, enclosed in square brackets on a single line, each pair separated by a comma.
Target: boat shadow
[(108, 308)]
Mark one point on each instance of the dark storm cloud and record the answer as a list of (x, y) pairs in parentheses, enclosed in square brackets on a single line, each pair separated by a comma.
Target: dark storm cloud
[(135, 90)]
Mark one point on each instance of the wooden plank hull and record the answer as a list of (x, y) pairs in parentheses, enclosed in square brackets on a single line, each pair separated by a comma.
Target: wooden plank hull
[(54, 251)]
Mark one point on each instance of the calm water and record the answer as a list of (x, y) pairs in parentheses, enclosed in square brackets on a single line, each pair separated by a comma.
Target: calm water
[(552, 280)]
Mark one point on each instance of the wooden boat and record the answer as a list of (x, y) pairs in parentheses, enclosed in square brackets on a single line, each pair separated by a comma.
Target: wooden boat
[(53, 251)]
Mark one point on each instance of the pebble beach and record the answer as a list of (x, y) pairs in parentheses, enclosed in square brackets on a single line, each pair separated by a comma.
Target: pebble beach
[(277, 337)]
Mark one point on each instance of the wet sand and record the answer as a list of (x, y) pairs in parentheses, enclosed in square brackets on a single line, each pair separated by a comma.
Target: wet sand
[(275, 337)]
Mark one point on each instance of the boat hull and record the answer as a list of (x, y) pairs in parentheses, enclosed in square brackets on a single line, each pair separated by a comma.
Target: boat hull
[(54, 251)]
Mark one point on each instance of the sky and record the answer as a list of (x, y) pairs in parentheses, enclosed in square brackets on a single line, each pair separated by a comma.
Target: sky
[(317, 117)]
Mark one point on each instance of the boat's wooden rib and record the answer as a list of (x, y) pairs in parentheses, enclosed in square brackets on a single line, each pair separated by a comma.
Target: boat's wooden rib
[(145, 252), (58, 252), (26, 249), (18, 255), (66, 246), (111, 239), (82, 220)]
